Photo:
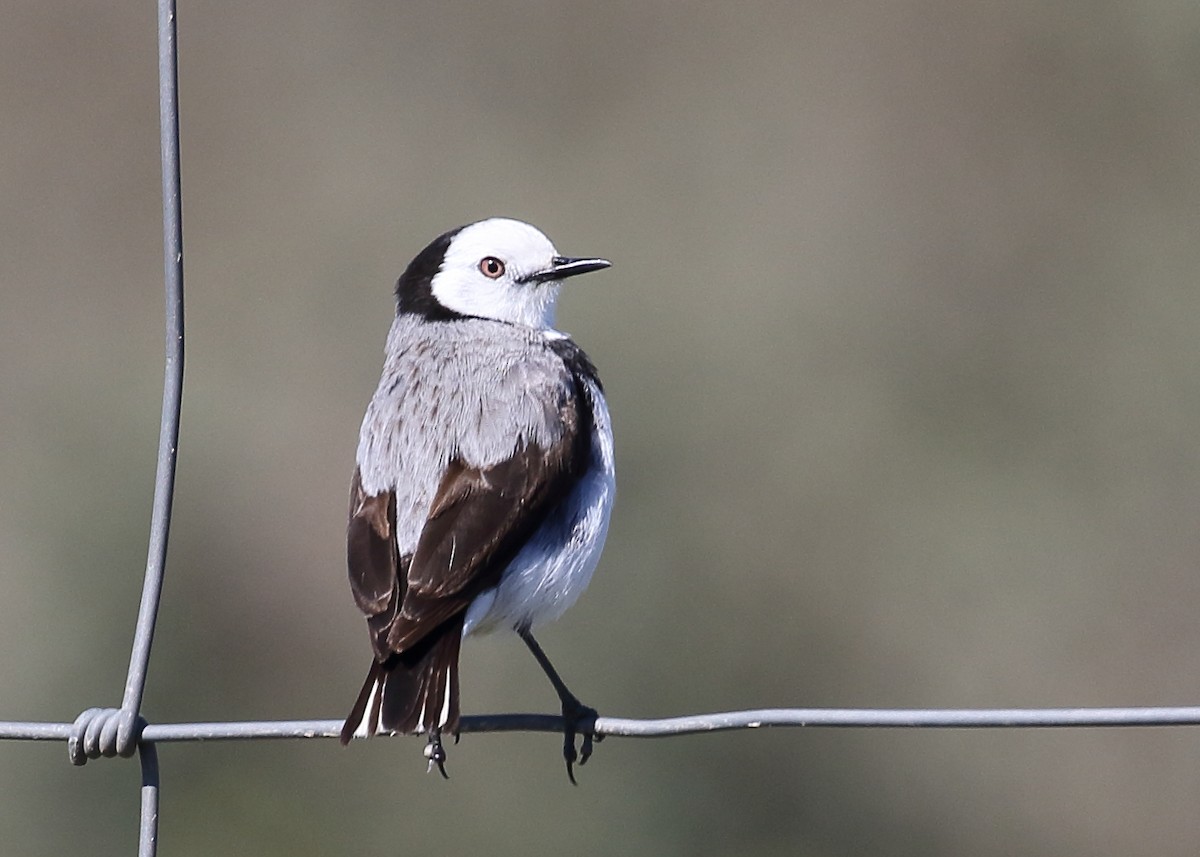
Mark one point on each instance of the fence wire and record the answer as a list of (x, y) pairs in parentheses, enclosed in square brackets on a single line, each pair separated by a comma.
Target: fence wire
[(108, 732)]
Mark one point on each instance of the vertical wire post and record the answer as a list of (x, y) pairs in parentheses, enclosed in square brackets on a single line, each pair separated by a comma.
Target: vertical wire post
[(148, 830), (168, 436), (168, 440)]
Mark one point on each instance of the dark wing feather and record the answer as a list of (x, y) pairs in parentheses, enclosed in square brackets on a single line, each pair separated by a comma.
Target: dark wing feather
[(371, 548), (478, 510), (479, 520), (377, 571)]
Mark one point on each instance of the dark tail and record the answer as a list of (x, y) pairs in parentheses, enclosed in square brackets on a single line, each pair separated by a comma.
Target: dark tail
[(413, 691)]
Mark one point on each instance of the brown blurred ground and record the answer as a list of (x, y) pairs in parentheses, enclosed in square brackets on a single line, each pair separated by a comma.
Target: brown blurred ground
[(901, 345)]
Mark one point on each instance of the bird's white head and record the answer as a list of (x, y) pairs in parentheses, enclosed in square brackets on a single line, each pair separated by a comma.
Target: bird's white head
[(498, 269)]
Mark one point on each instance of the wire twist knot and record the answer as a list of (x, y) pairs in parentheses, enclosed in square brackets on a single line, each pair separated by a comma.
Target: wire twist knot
[(104, 732)]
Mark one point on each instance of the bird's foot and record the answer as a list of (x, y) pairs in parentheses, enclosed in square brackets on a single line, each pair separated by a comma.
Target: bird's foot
[(436, 753), (579, 720)]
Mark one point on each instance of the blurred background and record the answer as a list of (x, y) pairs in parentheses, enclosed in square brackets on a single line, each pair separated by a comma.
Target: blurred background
[(900, 343)]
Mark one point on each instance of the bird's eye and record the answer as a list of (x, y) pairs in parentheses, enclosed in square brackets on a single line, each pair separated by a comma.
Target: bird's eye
[(492, 268)]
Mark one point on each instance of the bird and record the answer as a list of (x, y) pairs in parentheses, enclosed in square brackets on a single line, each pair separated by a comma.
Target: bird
[(483, 482)]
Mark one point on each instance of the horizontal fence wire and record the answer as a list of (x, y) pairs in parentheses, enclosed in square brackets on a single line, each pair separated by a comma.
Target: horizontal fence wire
[(865, 718)]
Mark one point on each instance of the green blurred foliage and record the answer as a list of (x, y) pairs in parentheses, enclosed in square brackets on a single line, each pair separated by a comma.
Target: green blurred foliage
[(901, 346)]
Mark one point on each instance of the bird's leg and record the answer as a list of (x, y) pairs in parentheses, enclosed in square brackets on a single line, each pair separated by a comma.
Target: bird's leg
[(436, 753), (578, 719)]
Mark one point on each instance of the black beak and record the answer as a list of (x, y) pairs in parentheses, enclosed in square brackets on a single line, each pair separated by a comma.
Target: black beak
[(562, 267)]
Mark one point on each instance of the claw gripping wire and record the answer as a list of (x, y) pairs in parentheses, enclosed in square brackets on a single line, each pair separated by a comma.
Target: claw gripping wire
[(104, 732)]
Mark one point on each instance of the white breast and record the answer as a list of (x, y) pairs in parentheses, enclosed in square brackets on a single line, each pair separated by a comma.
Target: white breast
[(555, 566)]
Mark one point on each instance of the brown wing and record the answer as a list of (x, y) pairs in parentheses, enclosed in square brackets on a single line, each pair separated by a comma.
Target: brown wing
[(374, 563), (479, 520), (371, 547)]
